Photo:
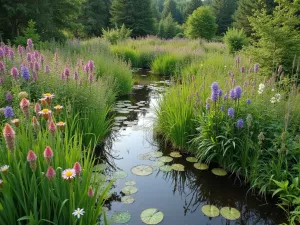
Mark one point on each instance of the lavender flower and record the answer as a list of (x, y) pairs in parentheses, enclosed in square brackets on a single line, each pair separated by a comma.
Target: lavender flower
[(67, 72), (243, 69), (248, 101), (29, 43), (75, 76), (220, 93), (232, 94), (231, 113), (222, 108), (47, 69), (2, 67), (25, 73), (256, 67), (14, 72), (8, 97), (238, 92), (1, 53), (207, 106), (28, 56), (34, 76), (240, 124), (91, 65), (8, 112)]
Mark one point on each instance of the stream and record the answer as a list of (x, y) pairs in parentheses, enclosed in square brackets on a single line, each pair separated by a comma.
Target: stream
[(178, 195)]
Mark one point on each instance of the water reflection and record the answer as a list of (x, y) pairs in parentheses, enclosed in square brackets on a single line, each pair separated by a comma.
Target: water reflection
[(179, 195)]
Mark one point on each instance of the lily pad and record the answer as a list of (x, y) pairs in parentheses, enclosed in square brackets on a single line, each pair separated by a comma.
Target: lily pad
[(210, 211), (201, 166), (127, 199), (142, 170), (119, 174), (219, 172), (158, 164), (130, 183), (156, 154), (165, 159), (121, 217), (175, 154), (145, 156), (166, 168), (97, 178), (230, 213), (119, 118), (192, 159), (152, 216), (178, 167), (99, 167), (129, 190)]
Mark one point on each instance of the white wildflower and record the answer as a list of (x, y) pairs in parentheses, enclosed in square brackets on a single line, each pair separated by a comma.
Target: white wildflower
[(78, 212)]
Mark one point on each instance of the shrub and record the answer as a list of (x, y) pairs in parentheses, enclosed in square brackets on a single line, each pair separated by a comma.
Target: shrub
[(116, 35), (235, 39), (201, 24), (29, 32), (165, 65), (167, 28)]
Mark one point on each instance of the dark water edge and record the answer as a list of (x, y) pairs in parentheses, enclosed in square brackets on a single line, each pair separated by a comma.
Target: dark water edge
[(179, 195)]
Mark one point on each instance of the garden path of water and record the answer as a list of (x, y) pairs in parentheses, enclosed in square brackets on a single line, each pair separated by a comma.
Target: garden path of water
[(179, 195)]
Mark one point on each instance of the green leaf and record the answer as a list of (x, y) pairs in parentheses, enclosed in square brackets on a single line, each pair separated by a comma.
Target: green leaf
[(166, 168), (130, 183), (201, 166), (175, 154), (219, 172), (119, 174), (142, 170), (121, 217), (127, 199), (210, 211), (192, 159), (178, 167), (230, 213), (152, 216), (129, 190), (158, 164), (165, 159)]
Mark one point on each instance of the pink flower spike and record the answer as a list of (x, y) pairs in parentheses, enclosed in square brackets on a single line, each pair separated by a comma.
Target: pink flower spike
[(37, 108), (35, 123), (14, 72), (90, 192), (77, 168), (50, 174), (48, 154), (9, 136), (31, 156), (52, 128), (24, 105)]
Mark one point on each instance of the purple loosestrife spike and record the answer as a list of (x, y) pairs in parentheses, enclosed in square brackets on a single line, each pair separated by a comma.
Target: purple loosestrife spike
[(28, 57), (6, 49), (75, 76), (42, 59), (20, 50), (67, 72), (25, 73), (36, 66), (243, 69), (248, 101), (2, 67), (256, 67), (1, 53), (8, 112), (231, 113), (36, 54), (250, 70), (240, 124), (8, 97), (91, 65), (1, 80), (238, 92), (34, 76), (222, 108), (47, 69), (11, 54), (232, 94), (29, 43), (91, 78), (14, 72)]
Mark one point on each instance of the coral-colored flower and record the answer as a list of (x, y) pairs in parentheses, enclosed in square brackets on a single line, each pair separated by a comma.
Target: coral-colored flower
[(37, 108), (52, 128), (48, 154), (50, 174), (35, 123), (46, 113), (77, 168), (24, 105), (90, 192), (61, 125), (58, 108), (48, 97), (43, 101), (31, 158), (68, 174), (9, 136), (16, 122)]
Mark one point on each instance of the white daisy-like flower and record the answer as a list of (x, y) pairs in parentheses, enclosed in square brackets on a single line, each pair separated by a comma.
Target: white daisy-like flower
[(78, 212), (4, 168), (68, 174), (273, 89), (273, 100), (261, 86), (278, 97)]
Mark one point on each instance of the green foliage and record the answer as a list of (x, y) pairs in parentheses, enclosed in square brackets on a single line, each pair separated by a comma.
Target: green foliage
[(116, 35), (235, 39), (165, 64), (278, 36), (29, 32), (201, 24), (170, 7), (135, 14), (224, 9), (168, 28), (191, 7)]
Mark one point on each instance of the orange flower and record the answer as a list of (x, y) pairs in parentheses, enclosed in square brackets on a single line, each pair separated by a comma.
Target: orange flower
[(46, 113), (43, 101)]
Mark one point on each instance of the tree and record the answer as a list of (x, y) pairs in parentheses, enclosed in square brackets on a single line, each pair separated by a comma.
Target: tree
[(29, 32), (224, 10), (170, 6), (191, 7), (247, 8), (134, 14), (167, 28), (278, 39), (201, 24), (95, 16)]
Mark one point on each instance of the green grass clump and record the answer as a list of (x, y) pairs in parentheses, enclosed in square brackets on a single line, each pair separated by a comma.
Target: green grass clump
[(165, 65)]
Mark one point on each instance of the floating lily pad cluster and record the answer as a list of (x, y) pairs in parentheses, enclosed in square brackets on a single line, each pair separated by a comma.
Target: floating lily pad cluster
[(228, 213)]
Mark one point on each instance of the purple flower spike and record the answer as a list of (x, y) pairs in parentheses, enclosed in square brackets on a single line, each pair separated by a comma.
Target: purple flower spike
[(29, 43), (2, 67), (248, 101), (75, 76), (207, 106), (214, 91), (25, 73), (14, 72), (232, 94), (231, 113), (8, 112), (20, 50), (222, 108), (34, 76), (225, 97), (256, 67), (36, 66), (243, 69), (67, 72), (220, 93), (91, 65), (47, 69), (240, 124), (238, 92), (1, 53), (28, 56), (8, 97)]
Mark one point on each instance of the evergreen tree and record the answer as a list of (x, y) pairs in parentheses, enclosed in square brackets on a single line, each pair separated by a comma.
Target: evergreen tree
[(170, 6), (191, 7), (167, 28), (95, 16), (134, 14), (246, 9), (224, 10)]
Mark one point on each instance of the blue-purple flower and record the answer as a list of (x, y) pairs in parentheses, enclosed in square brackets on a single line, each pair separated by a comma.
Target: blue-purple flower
[(8, 97), (232, 94), (220, 93), (25, 73), (256, 67), (214, 91), (248, 101), (240, 124), (8, 112), (238, 92), (207, 106), (222, 108), (231, 113)]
